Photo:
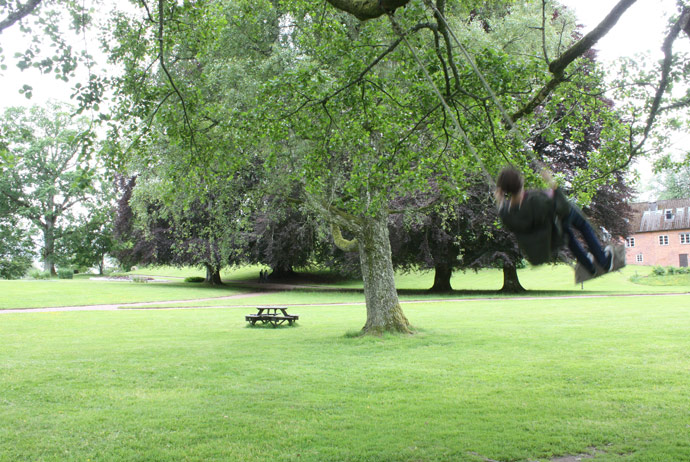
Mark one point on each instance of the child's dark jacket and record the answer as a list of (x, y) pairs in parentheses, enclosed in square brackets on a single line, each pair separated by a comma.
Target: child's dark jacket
[(537, 223)]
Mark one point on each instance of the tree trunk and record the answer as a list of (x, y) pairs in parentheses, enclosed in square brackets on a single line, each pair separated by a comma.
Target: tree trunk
[(511, 283), (281, 274), (384, 313), (212, 275), (49, 246), (442, 275)]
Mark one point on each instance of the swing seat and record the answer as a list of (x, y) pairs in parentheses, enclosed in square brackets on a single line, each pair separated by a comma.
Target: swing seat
[(582, 274)]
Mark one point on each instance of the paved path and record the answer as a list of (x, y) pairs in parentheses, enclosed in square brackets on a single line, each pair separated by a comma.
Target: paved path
[(138, 305), (146, 305)]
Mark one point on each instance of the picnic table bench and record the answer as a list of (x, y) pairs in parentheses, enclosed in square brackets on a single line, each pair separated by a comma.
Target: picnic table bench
[(274, 315)]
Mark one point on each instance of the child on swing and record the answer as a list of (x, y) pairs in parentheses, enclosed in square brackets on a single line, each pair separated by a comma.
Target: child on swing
[(540, 219)]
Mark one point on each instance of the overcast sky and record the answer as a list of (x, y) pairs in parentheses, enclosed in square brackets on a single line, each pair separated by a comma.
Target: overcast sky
[(640, 29)]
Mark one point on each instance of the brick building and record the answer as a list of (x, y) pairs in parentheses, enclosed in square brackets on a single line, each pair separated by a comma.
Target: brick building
[(660, 233)]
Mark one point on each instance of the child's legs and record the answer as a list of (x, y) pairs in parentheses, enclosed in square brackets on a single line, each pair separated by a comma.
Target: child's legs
[(577, 250), (579, 222)]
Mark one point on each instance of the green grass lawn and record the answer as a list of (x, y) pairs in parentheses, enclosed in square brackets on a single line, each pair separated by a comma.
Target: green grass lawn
[(69, 292), (543, 280), (518, 380)]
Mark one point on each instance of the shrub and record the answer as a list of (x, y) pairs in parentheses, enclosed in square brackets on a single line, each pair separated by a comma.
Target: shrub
[(194, 279), (38, 274), (65, 273), (671, 270), (117, 274), (140, 279), (659, 271), (15, 268)]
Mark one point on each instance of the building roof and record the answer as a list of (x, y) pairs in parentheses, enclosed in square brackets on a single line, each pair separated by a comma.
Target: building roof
[(667, 215)]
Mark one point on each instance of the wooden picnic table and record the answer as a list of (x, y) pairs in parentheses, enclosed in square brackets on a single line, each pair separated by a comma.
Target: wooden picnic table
[(274, 315)]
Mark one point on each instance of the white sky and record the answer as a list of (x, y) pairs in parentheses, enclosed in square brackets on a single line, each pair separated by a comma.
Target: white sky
[(641, 29), (45, 87)]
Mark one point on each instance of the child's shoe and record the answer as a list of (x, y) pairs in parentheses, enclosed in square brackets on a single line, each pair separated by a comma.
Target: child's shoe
[(608, 251)]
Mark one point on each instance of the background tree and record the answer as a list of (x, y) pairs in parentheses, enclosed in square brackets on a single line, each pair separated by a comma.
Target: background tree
[(151, 230), (52, 171), (426, 241), (285, 236), (87, 240), (672, 183), (460, 233), (16, 249)]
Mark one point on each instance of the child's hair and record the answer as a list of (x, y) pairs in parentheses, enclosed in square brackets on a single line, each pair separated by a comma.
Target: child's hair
[(509, 180)]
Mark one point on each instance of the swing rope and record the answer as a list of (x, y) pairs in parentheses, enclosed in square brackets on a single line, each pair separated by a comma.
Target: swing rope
[(507, 119), (504, 114), (446, 106)]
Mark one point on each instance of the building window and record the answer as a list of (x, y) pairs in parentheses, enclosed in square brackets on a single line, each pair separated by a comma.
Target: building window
[(630, 241), (663, 240), (638, 258), (685, 238), (669, 214)]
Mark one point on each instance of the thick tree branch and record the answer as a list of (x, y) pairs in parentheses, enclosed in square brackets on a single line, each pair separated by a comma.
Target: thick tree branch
[(343, 244), (558, 66), (378, 59), (367, 9), (538, 99), (683, 24), (148, 11), (167, 73), (680, 25), (677, 105), (444, 31), (334, 215), (17, 201), (18, 15), (543, 30), (588, 41)]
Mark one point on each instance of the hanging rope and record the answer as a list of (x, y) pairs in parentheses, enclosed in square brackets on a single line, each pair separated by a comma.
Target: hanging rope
[(446, 106), (507, 119), (504, 114)]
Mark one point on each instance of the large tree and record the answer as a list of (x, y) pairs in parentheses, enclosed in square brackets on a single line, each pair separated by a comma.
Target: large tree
[(192, 231), (358, 112), (51, 169)]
